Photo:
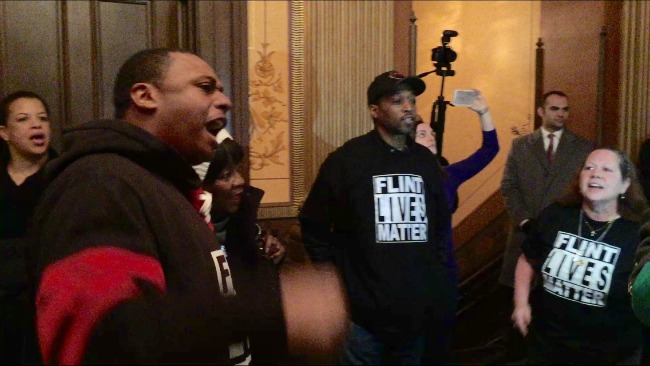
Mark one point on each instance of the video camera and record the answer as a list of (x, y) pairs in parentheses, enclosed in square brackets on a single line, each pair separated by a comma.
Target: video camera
[(443, 56)]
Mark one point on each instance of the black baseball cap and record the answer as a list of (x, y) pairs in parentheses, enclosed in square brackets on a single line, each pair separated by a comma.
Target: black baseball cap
[(391, 82)]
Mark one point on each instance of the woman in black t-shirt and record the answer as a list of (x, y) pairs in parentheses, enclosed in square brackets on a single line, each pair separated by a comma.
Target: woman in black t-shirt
[(581, 251)]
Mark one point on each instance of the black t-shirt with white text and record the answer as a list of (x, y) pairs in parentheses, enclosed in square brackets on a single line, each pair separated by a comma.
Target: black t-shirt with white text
[(581, 309)]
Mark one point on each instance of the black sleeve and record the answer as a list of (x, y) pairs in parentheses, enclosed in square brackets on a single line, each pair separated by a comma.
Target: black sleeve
[(442, 216), (317, 213), (102, 295), (170, 328), (533, 246)]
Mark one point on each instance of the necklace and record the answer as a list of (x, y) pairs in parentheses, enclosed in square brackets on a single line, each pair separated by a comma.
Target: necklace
[(593, 232)]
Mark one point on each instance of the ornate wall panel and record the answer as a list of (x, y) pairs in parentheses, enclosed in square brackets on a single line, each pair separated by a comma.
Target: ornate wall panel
[(635, 72), (335, 50), (276, 95), (270, 98)]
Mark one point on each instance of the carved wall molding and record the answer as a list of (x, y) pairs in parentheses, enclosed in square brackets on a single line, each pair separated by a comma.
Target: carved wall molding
[(635, 77), (347, 43)]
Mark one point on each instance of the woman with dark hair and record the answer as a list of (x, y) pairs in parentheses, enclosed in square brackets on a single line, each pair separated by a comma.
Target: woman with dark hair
[(581, 250), (24, 150), (232, 198), (250, 254)]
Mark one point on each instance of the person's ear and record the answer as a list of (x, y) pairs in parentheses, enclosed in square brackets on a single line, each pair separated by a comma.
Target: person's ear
[(626, 185), (373, 108), (144, 96), (540, 111), (3, 133)]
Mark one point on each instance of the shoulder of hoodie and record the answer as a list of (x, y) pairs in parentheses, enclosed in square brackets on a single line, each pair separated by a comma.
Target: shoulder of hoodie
[(105, 169)]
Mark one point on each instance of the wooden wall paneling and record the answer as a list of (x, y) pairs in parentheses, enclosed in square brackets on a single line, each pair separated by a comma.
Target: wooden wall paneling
[(3, 49), (80, 98), (71, 56), (212, 37), (635, 89), (122, 29), (100, 36), (401, 36), (239, 72), (570, 31), (539, 81), (30, 53), (166, 23), (612, 85), (213, 33), (224, 45)]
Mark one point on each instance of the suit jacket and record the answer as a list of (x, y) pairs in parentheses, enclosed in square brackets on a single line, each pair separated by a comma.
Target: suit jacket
[(530, 184)]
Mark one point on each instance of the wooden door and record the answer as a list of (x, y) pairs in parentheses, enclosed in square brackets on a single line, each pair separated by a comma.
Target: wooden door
[(70, 51)]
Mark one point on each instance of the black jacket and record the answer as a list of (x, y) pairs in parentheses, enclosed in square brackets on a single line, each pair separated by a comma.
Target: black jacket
[(16, 309), (255, 276)]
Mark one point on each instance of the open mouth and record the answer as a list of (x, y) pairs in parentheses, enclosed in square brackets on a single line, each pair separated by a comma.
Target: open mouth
[(216, 125), (595, 185), (236, 196), (38, 138)]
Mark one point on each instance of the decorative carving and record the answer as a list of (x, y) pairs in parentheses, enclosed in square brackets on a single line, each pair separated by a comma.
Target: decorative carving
[(521, 129), (269, 121)]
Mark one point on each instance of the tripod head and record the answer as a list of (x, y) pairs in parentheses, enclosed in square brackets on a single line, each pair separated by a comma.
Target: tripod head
[(442, 57)]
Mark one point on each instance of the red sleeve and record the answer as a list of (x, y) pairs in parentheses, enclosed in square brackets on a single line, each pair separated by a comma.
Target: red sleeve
[(77, 291)]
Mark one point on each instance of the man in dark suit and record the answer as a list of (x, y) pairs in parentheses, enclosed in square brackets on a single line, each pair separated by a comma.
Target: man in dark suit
[(539, 169)]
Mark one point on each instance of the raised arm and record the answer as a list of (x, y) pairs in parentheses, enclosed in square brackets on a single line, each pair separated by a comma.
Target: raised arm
[(467, 168), (480, 106)]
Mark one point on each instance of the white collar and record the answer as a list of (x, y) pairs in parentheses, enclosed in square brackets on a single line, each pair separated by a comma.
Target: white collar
[(557, 134)]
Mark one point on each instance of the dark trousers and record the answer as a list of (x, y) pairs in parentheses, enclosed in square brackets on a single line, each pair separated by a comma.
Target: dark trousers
[(18, 343), (439, 333), (364, 348), (513, 343)]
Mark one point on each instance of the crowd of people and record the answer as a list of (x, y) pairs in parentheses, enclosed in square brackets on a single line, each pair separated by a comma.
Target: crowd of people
[(140, 243)]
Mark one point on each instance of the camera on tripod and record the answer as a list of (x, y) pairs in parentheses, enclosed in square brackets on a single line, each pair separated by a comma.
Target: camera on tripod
[(443, 56)]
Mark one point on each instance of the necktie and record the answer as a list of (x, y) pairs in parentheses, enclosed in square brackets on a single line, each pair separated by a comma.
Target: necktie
[(549, 151)]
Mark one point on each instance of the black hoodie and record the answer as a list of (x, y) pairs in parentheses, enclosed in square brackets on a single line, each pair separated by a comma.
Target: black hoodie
[(128, 270)]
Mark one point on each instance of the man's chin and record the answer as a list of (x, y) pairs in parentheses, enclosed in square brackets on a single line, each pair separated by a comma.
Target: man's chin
[(203, 156)]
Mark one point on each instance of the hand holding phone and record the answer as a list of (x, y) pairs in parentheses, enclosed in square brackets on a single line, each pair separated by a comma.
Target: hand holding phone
[(464, 97)]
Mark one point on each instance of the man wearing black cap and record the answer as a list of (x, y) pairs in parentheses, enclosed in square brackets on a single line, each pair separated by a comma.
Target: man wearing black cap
[(377, 210)]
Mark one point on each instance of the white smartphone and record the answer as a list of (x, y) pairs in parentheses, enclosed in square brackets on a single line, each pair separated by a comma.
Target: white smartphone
[(464, 97)]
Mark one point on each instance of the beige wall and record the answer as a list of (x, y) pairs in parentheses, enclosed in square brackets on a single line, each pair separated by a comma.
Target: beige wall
[(496, 57), (347, 43)]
